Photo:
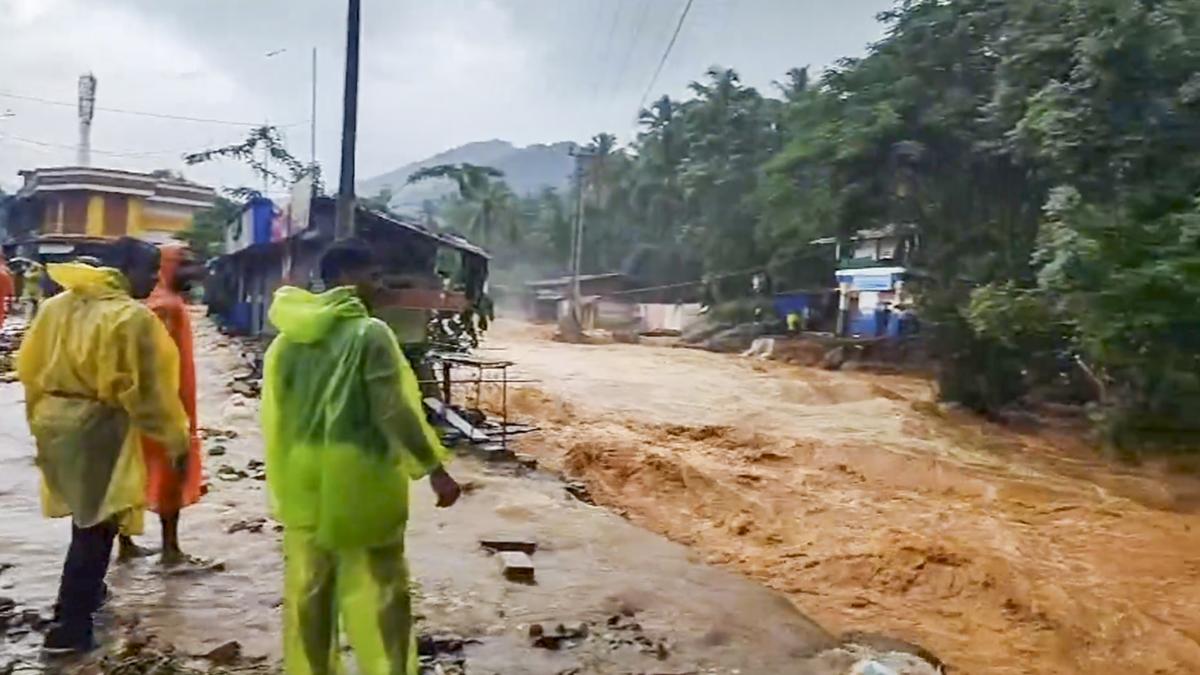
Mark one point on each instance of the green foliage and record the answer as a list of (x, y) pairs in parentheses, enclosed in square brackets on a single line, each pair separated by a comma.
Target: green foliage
[(484, 208), (264, 152), (381, 201), (1047, 153), (206, 236)]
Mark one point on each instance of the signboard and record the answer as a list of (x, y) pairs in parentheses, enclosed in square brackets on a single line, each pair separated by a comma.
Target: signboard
[(239, 233), (869, 278), (872, 282), (300, 205)]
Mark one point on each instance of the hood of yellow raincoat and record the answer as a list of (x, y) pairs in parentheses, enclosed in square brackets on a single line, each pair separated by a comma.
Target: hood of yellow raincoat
[(95, 281), (306, 317)]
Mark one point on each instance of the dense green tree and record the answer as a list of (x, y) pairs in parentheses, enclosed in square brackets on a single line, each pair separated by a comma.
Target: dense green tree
[(206, 236), (1046, 153), (485, 207)]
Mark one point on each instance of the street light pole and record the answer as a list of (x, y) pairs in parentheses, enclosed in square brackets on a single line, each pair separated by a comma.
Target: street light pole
[(345, 198), (581, 157), (312, 117)]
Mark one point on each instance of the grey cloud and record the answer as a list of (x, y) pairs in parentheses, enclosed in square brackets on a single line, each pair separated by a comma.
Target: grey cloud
[(434, 73)]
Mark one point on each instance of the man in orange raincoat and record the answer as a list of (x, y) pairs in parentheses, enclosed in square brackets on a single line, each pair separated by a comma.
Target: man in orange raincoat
[(166, 494)]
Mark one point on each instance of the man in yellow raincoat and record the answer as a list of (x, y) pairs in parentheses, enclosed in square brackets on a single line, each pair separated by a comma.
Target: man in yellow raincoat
[(345, 433), (99, 371)]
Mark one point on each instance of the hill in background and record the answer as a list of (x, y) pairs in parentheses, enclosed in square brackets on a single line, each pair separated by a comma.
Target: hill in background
[(526, 170)]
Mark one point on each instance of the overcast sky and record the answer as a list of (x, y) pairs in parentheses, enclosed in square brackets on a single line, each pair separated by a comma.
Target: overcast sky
[(435, 73)]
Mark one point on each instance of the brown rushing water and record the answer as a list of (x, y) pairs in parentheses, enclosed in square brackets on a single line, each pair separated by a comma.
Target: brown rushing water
[(591, 564), (1001, 552)]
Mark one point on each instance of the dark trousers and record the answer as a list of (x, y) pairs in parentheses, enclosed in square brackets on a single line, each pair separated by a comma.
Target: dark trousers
[(81, 591)]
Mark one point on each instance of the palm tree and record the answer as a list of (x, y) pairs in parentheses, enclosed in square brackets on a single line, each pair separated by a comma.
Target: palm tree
[(494, 208), (795, 86), (491, 203), (470, 178)]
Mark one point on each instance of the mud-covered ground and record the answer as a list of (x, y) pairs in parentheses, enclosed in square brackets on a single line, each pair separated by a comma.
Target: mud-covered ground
[(874, 509), (645, 604)]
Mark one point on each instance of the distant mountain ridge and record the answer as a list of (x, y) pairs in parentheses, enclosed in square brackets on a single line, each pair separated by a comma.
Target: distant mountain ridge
[(526, 170)]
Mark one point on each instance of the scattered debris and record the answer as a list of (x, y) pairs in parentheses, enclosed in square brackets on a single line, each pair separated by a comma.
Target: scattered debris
[(561, 636), (501, 544), (516, 566), (248, 525), (228, 473), (16, 622), (494, 452), (219, 434), (226, 654), (217, 450), (579, 490), (256, 469), (245, 388), (834, 358), (455, 420), (442, 654), (883, 643)]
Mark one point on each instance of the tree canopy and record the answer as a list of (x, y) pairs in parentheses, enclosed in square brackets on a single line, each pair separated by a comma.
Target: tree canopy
[(1047, 153)]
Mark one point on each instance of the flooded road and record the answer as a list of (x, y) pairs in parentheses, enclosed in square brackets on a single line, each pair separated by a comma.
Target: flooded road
[(650, 605), (873, 509)]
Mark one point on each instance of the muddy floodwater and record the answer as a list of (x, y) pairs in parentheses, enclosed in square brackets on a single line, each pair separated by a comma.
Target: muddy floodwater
[(874, 509), (650, 604)]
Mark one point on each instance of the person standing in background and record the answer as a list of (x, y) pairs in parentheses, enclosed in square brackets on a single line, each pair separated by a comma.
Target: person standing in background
[(167, 492), (6, 289), (31, 290), (99, 371)]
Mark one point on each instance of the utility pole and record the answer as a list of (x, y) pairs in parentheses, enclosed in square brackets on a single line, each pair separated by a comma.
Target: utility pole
[(312, 117), (266, 160), (345, 197), (581, 157)]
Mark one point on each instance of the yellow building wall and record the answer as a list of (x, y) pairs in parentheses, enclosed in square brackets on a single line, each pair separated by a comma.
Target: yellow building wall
[(50, 216), (166, 219), (95, 215), (134, 215), (164, 223)]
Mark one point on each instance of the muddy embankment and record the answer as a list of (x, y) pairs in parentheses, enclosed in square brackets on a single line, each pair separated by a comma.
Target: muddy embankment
[(874, 510)]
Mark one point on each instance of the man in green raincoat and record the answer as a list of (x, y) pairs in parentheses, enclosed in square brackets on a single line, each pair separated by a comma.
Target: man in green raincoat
[(345, 434), (99, 371)]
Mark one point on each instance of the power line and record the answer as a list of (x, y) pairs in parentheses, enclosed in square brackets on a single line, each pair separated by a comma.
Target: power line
[(637, 34), (111, 153), (601, 57), (666, 53), (140, 113)]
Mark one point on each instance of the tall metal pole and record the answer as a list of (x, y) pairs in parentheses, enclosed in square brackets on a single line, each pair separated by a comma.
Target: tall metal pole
[(577, 252), (312, 117), (345, 198), (87, 109)]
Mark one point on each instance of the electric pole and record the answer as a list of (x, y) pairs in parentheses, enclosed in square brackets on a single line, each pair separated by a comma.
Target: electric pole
[(345, 197), (312, 118), (581, 157)]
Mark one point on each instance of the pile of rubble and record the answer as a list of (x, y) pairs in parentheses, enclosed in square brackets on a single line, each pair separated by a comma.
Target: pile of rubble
[(11, 335)]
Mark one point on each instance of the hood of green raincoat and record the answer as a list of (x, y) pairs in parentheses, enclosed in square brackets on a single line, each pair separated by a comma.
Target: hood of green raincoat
[(96, 281), (306, 317)]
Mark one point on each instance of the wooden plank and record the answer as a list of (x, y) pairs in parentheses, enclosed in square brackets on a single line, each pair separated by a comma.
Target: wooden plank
[(507, 543), (455, 420), (516, 566)]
